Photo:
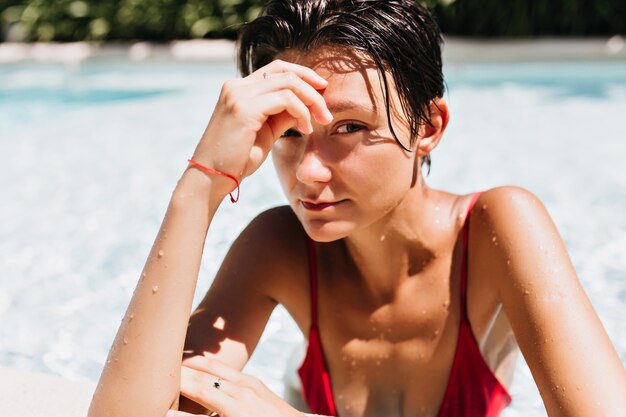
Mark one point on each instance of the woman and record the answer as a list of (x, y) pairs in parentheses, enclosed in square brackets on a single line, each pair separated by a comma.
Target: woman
[(414, 300)]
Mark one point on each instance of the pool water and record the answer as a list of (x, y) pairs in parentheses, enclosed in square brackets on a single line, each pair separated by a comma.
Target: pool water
[(90, 155)]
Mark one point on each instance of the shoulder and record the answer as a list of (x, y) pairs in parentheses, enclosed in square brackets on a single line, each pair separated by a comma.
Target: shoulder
[(272, 249), (512, 233), (509, 211), (274, 234), (515, 241), (500, 201), (277, 223)]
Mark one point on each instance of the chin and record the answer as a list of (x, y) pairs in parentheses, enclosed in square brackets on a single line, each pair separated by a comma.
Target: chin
[(327, 230)]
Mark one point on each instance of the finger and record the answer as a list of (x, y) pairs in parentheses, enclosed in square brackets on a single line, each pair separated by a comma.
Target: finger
[(198, 387), (214, 367), (305, 92), (307, 74), (286, 100), (199, 376)]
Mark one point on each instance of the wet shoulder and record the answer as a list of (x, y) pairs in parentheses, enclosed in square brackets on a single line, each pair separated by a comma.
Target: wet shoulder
[(278, 243), (505, 223), (277, 234), (502, 208)]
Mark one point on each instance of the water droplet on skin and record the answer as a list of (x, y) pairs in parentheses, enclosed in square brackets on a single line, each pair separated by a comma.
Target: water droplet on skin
[(526, 292), (437, 221), (155, 289), (143, 276), (493, 239), (508, 262), (437, 208), (382, 237), (125, 341), (423, 311), (436, 333), (131, 317), (461, 216), (160, 254), (484, 206)]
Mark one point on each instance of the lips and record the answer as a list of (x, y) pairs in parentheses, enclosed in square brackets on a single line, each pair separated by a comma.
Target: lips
[(320, 206)]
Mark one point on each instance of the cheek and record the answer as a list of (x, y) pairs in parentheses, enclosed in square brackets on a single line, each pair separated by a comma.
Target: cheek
[(284, 159), (386, 175)]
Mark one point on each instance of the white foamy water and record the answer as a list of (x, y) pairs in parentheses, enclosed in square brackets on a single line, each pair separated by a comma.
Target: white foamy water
[(90, 155)]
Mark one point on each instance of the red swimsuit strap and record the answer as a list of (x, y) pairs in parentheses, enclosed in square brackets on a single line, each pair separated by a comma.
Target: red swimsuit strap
[(464, 262), (313, 275)]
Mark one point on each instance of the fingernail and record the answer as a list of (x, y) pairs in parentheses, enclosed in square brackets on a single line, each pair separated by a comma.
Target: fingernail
[(328, 115), (305, 128)]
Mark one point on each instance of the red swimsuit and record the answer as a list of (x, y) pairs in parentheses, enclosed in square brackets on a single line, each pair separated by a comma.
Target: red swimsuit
[(472, 391)]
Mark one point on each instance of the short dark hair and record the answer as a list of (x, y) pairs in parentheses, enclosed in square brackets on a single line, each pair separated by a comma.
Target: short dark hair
[(400, 36)]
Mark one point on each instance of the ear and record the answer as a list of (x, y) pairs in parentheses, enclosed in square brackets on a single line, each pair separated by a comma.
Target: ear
[(430, 135)]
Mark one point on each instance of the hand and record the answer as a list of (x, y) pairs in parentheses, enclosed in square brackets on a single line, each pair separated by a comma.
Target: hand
[(228, 392), (253, 112)]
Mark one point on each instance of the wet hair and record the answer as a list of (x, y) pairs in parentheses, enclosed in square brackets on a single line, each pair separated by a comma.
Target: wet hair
[(400, 36)]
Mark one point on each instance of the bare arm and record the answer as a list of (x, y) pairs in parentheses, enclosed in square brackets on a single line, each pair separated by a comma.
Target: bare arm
[(143, 372), (260, 267), (573, 362), (144, 361)]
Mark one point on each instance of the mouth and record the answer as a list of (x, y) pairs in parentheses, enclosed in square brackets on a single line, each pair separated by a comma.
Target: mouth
[(320, 206)]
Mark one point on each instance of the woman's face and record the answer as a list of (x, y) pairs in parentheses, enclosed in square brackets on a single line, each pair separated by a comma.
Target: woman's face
[(351, 173)]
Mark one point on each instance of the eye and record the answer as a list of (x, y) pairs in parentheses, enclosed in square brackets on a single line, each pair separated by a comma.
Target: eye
[(290, 133), (350, 128)]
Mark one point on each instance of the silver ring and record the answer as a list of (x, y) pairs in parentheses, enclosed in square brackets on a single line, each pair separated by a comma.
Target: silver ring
[(218, 383)]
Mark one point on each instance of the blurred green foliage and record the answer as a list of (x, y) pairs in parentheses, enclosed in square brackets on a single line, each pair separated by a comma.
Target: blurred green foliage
[(163, 20), (531, 18)]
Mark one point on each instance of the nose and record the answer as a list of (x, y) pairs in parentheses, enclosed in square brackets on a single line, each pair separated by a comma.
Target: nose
[(312, 169)]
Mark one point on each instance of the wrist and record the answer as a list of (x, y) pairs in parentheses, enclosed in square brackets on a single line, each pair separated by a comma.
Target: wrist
[(216, 172), (196, 186)]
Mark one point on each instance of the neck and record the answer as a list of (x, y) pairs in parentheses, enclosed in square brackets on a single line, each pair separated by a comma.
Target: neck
[(400, 245)]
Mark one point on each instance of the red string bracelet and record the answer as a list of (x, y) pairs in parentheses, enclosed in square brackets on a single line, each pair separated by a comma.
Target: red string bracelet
[(216, 172)]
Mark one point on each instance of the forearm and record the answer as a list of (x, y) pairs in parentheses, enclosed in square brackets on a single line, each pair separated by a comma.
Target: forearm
[(142, 373)]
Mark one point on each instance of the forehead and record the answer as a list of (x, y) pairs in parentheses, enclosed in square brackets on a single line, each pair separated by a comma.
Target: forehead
[(352, 75)]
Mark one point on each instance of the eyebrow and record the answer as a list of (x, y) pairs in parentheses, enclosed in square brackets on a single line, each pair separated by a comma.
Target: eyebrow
[(345, 105)]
